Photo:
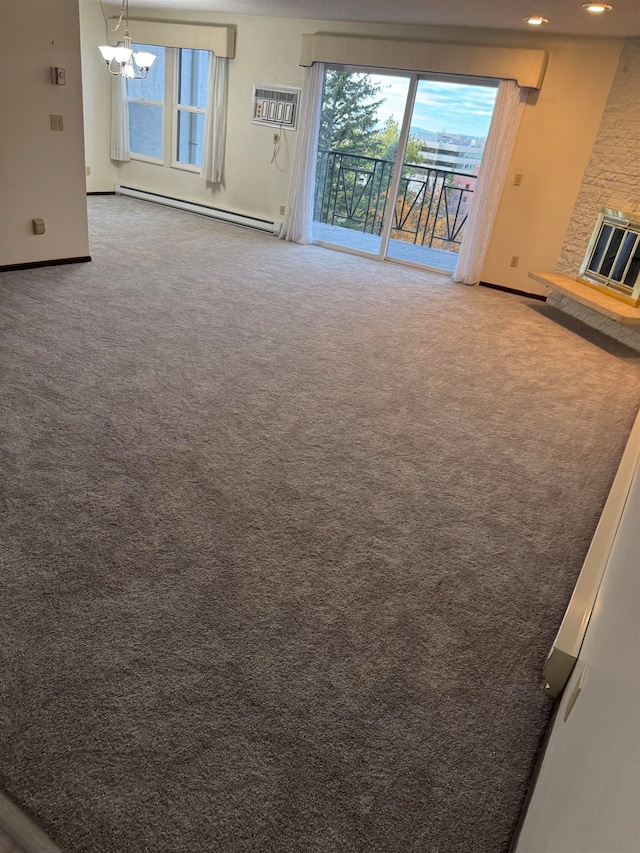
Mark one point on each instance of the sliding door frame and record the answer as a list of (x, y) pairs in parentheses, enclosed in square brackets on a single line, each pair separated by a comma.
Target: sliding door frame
[(387, 223)]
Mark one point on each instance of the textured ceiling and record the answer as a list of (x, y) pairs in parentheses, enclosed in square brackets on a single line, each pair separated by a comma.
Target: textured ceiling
[(565, 16)]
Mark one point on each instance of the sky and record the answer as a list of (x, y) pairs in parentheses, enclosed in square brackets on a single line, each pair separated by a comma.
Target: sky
[(453, 107)]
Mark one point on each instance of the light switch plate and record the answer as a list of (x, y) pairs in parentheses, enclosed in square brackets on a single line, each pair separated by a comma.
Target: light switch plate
[(58, 76)]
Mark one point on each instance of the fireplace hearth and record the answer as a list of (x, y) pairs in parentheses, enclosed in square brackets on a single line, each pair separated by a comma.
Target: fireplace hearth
[(605, 293)]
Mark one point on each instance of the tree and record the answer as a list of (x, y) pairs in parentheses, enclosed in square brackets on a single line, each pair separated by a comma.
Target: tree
[(351, 191), (349, 113), (388, 144)]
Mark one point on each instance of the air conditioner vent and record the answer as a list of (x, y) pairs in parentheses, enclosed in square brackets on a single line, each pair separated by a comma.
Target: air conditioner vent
[(275, 106)]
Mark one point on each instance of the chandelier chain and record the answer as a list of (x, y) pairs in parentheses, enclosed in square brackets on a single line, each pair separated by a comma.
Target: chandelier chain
[(120, 17)]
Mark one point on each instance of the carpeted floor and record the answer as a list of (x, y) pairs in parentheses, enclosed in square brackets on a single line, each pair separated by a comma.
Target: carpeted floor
[(286, 536)]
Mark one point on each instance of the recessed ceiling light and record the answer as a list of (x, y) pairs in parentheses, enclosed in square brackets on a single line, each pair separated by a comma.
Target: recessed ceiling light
[(597, 7), (536, 20)]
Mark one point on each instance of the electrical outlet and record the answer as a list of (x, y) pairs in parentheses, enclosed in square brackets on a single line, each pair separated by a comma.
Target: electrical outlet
[(87, 170), (56, 122), (517, 180), (276, 138), (282, 210), (38, 226), (514, 260)]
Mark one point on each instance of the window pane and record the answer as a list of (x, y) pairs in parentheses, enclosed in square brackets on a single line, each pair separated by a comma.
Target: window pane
[(601, 245), (624, 254), (145, 129), (152, 87), (634, 268), (190, 134), (612, 251), (192, 90)]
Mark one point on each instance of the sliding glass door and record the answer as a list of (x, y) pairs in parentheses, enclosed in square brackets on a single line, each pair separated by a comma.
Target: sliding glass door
[(357, 145), (398, 160), (448, 130)]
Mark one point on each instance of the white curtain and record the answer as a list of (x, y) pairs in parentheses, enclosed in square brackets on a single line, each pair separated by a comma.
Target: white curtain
[(215, 120), (493, 172), (298, 220), (119, 119)]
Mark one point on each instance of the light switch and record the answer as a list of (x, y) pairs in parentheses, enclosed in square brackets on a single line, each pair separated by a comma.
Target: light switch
[(58, 76)]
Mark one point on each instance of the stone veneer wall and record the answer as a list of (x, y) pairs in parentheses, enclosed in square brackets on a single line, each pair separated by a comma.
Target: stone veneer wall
[(612, 177)]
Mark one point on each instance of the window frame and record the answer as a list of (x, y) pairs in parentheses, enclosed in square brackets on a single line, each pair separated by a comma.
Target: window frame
[(177, 108), (171, 109)]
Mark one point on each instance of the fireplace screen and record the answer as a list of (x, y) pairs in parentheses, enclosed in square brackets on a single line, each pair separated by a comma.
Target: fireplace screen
[(612, 262)]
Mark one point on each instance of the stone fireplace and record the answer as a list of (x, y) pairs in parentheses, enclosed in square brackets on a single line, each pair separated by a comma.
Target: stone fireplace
[(596, 278)]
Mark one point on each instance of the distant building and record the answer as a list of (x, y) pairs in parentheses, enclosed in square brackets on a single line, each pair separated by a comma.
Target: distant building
[(450, 151)]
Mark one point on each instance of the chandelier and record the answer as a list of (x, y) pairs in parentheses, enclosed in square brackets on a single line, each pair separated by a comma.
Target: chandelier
[(121, 60)]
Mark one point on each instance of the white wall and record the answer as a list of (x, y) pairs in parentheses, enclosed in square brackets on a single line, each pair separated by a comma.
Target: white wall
[(97, 101), (41, 171), (553, 147), (587, 795)]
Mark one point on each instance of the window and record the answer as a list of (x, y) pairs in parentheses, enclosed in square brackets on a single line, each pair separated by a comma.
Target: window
[(191, 100), (179, 78), (146, 107)]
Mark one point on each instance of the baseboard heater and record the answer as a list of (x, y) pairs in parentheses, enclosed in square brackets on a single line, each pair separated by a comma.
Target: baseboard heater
[(201, 209)]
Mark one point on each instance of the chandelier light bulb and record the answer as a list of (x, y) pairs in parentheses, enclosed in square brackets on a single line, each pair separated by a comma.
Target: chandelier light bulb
[(597, 8), (122, 53), (107, 51), (536, 20), (144, 60)]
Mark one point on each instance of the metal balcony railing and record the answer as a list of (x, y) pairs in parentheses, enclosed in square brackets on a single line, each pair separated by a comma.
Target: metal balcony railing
[(352, 192)]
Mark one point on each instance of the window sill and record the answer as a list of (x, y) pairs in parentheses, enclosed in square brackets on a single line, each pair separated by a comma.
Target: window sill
[(186, 167), (156, 161)]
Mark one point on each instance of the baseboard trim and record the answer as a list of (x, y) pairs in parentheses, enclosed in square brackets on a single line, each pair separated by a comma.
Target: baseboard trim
[(201, 209), (513, 290), (102, 192), (55, 262)]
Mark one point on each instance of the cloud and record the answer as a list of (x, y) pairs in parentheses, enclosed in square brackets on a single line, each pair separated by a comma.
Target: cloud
[(452, 107)]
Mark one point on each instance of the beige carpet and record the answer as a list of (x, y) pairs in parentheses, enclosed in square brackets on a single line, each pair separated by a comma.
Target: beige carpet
[(286, 535)]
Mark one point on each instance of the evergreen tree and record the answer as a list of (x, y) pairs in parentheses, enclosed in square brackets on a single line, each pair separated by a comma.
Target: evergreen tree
[(349, 113)]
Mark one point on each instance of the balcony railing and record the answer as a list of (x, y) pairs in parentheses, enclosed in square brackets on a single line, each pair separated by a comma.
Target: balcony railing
[(352, 192)]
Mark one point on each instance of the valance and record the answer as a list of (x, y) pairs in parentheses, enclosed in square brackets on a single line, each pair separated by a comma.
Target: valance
[(525, 66), (218, 39)]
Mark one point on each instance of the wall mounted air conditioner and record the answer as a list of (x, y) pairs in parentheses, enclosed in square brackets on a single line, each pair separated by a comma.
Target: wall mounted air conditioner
[(276, 106)]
